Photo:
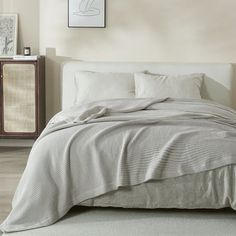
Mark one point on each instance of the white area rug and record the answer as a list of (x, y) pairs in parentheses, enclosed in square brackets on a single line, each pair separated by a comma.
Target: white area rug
[(123, 222)]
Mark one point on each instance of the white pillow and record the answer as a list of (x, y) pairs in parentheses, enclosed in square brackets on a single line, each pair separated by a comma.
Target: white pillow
[(94, 86), (161, 86)]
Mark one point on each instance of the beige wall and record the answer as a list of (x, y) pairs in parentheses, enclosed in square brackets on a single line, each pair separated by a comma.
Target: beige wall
[(137, 30), (28, 31), (163, 30)]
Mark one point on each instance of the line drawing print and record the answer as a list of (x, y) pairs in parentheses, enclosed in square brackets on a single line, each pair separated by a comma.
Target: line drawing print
[(86, 8)]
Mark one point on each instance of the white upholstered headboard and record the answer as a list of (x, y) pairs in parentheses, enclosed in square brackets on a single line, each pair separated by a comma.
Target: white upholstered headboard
[(217, 86)]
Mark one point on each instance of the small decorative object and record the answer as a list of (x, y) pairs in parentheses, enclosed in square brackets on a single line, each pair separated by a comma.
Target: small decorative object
[(8, 35), (27, 51), (87, 13)]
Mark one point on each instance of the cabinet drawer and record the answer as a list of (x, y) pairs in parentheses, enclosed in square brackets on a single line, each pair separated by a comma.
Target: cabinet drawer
[(19, 98)]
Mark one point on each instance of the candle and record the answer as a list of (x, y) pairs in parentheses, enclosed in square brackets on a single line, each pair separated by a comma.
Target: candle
[(27, 51)]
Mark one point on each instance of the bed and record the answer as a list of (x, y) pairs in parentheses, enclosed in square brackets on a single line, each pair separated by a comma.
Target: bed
[(104, 153)]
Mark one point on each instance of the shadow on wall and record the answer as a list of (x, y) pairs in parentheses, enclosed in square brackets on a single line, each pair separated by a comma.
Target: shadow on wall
[(215, 91), (53, 68)]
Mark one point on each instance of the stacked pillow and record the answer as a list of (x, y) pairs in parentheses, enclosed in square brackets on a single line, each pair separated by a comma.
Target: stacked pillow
[(161, 86), (95, 86)]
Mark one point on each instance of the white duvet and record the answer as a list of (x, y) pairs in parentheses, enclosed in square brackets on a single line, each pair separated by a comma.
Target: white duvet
[(93, 149)]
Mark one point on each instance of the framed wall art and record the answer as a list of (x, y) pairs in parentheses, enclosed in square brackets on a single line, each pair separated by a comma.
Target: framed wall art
[(87, 13), (8, 35)]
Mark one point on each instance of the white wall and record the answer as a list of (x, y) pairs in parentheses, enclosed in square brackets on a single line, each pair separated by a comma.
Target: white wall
[(163, 30), (28, 11), (137, 30), (144, 30)]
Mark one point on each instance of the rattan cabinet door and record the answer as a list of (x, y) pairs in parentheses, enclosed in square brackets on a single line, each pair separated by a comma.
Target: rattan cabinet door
[(19, 98)]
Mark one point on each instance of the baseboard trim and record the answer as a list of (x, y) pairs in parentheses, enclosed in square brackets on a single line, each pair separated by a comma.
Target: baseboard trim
[(16, 142)]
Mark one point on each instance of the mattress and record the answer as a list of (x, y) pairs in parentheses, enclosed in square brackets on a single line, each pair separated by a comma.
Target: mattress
[(209, 189)]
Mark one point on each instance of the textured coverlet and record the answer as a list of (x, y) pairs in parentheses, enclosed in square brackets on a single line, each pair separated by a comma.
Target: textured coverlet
[(90, 150)]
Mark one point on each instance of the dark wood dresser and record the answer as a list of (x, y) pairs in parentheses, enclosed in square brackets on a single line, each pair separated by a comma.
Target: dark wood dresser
[(22, 98)]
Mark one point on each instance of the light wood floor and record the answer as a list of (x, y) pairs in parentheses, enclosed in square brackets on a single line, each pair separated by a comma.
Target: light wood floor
[(12, 164)]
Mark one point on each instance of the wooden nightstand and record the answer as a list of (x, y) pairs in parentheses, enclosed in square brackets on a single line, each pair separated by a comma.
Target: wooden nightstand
[(22, 98)]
